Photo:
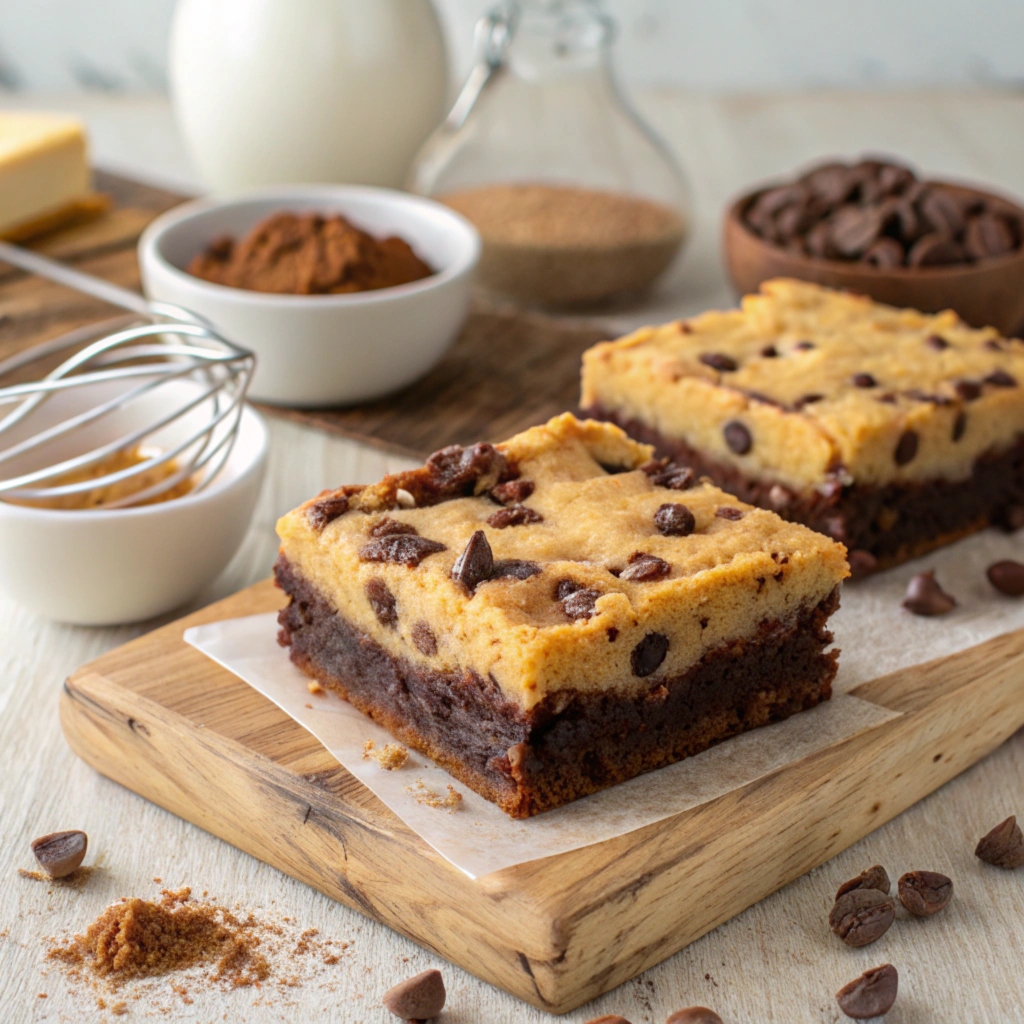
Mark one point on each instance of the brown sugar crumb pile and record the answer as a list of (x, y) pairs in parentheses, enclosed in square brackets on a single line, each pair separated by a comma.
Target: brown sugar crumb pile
[(423, 794), (309, 254), (390, 757)]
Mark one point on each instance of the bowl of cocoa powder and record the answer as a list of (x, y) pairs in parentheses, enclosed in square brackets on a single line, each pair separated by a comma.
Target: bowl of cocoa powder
[(345, 293), (877, 227)]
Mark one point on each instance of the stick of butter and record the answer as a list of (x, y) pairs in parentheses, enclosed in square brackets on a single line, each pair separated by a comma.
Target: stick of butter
[(44, 173)]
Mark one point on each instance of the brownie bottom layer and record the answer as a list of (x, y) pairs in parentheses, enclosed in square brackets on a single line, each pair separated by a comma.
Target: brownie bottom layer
[(893, 523), (575, 742)]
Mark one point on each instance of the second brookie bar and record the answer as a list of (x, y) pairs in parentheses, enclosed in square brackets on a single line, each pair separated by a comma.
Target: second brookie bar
[(887, 429), (559, 613)]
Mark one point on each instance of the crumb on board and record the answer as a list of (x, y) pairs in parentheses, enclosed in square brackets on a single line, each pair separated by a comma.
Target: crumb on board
[(315, 688), (423, 794), (390, 757)]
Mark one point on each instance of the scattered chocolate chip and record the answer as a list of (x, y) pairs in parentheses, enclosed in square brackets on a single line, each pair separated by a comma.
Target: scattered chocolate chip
[(804, 346), (807, 400), (514, 568), (464, 471), (925, 597), (60, 853), (1007, 577), (738, 437), (1003, 846), (423, 639), (864, 380), (512, 492), (382, 601), (516, 515), (718, 361), (727, 512), (937, 342), (613, 634), (580, 604), (669, 474), (694, 1015), (873, 878), (417, 999), (644, 567), (870, 995), (906, 448), (968, 390), (934, 250), (608, 1018), (649, 654), (885, 253), (924, 893), (769, 352), (402, 548), (475, 564), (563, 588), (388, 527), (862, 563), (987, 235), (861, 916), (675, 520), (1001, 379), (959, 425), (326, 510)]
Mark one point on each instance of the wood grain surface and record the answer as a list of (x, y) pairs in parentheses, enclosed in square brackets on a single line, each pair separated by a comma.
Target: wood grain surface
[(167, 722)]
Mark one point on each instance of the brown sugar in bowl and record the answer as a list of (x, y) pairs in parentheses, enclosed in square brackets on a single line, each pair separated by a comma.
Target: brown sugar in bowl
[(988, 293)]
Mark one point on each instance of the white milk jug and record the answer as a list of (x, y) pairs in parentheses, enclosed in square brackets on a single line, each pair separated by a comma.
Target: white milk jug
[(283, 91)]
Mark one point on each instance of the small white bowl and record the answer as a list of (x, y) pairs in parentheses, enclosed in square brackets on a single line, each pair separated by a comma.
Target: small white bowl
[(323, 350), (98, 567)]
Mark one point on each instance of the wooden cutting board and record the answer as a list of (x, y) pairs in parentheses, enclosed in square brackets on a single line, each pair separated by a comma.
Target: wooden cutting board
[(505, 372), (163, 720)]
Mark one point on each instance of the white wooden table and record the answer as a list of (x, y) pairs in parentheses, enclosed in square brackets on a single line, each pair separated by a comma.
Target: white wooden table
[(777, 962)]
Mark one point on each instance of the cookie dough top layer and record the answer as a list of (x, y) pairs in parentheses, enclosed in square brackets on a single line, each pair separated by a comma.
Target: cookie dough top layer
[(588, 581), (803, 384)]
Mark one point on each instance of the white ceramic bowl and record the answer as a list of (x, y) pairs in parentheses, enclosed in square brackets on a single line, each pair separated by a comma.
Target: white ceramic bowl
[(322, 350), (99, 567)]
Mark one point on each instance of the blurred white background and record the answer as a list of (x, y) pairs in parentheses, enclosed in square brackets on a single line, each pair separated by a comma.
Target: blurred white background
[(735, 46)]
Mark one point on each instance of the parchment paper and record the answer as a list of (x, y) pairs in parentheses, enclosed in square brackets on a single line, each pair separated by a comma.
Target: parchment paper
[(876, 637)]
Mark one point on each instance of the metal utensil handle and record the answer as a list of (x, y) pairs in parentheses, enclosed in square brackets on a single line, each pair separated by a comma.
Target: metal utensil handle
[(493, 34)]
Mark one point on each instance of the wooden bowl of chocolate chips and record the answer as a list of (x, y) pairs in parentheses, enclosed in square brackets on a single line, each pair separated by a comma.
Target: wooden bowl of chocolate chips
[(875, 227)]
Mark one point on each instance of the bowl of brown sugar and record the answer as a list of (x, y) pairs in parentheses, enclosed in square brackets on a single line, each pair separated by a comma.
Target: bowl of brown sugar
[(345, 293)]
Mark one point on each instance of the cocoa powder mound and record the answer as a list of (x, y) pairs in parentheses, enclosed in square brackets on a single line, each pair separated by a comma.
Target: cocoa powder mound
[(309, 254)]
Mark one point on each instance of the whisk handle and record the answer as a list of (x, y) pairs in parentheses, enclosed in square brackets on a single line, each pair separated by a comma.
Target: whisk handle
[(34, 263)]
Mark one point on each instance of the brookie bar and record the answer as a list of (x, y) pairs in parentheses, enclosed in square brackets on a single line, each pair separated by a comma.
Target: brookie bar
[(559, 613)]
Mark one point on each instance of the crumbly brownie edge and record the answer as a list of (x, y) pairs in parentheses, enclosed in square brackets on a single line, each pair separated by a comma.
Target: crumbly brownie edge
[(894, 523), (574, 743)]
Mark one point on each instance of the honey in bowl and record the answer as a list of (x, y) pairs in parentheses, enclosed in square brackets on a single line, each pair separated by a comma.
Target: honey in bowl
[(106, 494)]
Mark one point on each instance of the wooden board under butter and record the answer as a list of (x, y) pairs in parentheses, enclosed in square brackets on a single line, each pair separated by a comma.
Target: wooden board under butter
[(505, 372), (163, 720)]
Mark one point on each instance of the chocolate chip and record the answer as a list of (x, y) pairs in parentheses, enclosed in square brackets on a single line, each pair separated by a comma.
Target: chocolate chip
[(669, 474), (819, 241), (1003, 846), (694, 1015), (464, 471), (959, 425), (475, 564), (1007, 577), (937, 342), (941, 211), (514, 568), (885, 253), (935, 250), (718, 361), (614, 469), (864, 380), (608, 1018), (862, 916), (404, 549), (968, 390), (873, 878), (906, 448), (423, 639), (804, 346), (60, 853), (517, 515), (770, 352), (649, 654), (675, 520), (382, 601), (854, 228), (513, 492), (870, 995), (738, 437), (417, 999), (925, 597), (807, 400), (563, 588), (580, 604), (1001, 379), (862, 563), (924, 893), (727, 512), (831, 183), (326, 510), (987, 235), (644, 567), (388, 527)]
